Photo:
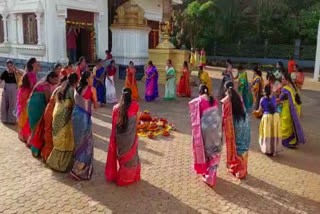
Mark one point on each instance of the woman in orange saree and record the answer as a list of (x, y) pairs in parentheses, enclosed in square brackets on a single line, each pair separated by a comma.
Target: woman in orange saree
[(236, 129), (123, 163), (29, 80), (131, 81), (184, 85)]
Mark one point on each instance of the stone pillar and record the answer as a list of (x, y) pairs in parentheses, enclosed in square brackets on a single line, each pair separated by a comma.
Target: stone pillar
[(38, 18), (317, 62), (61, 34), (5, 29), (15, 28)]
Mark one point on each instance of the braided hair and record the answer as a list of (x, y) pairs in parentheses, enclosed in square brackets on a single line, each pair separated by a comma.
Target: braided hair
[(124, 106), (267, 90)]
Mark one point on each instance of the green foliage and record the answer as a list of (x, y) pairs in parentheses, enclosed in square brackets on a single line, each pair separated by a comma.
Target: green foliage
[(249, 21)]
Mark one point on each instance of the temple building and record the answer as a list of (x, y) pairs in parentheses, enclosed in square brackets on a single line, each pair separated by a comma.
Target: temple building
[(50, 29)]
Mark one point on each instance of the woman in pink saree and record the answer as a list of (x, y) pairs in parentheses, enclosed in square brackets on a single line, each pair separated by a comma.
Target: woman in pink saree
[(123, 163), (206, 135), (29, 80), (151, 82)]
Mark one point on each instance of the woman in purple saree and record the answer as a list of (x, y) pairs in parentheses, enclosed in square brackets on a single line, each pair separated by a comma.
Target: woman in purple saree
[(151, 74)]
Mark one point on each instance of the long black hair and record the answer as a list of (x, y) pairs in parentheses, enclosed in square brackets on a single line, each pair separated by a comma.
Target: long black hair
[(72, 79), (83, 81), (237, 107), (203, 89), (25, 83), (287, 76), (124, 106), (267, 91), (258, 71)]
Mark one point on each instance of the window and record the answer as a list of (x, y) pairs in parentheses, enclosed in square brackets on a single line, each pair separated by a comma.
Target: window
[(30, 35), (1, 30)]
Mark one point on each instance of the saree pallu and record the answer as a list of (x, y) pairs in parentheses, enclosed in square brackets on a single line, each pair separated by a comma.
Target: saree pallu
[(123, 150), (131, 83), (100, 86), (36, 107), (237, 138), (170, 90), (270, 134), (206, 141), (82, 125), (63, 142), (22, 114), (151, 84), (47, 136), (243, 90), (111, 96), (9, 103), (184, 85), (292, 133)]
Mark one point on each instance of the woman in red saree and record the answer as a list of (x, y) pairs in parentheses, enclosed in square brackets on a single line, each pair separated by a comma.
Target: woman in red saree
[(29, 80), (123, 163), (236, 128), (131, 81), (184, 86)]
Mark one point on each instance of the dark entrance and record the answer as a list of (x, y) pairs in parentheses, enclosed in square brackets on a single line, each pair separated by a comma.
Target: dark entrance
[(83, 22)]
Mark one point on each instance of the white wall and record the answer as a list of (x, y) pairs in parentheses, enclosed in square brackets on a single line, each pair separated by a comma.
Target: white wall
[(52, 27)]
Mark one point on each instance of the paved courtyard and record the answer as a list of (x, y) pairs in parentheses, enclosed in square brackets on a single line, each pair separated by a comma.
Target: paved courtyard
[(289, 183)]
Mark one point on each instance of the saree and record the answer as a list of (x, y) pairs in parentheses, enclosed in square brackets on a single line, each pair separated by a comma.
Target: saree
[(83, 140), (203, 58), (100, 86), (22, 108), (206, 140), (47, 136), (36, 107), (243, 90), (151, 84), (63, 142), (184, 85), (257, 86), (292, 132), (205, 79), (197, 58), (111, 96), (270, 128), (123, 164), (8, 103), (237, 138), (170, 90), (131, 83)]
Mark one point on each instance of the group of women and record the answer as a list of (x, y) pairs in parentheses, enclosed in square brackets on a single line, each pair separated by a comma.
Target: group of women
[(238, 98), (54, 117)]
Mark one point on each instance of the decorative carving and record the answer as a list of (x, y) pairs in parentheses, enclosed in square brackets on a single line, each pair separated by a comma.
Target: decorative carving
[(165, 31), (130, 15)]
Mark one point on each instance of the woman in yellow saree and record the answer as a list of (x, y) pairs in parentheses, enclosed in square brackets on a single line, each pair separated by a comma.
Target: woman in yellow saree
[(257, 88), (292, 133), (205, 79), (63, 142)]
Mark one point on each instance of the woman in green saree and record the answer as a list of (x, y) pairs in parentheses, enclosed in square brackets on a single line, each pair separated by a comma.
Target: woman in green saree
[(170, 92)]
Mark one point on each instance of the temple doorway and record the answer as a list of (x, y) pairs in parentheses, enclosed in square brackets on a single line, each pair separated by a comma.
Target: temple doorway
[(80, 36)]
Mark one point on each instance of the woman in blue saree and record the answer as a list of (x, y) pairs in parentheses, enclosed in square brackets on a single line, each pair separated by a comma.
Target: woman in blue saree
[(99, 76), (85, 98)]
